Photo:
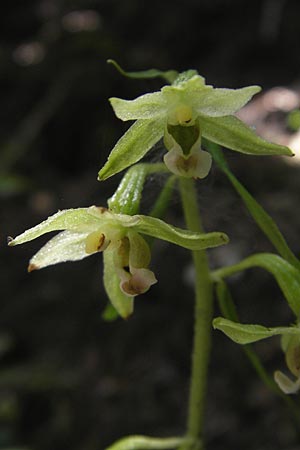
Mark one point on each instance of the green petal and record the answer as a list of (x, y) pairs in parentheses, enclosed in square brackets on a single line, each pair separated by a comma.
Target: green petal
[(234, 134), (79, 220), (132, 146), (139, 251), (148, 106), (185, 238), (66, 246), (121, 302), (245, 334), (223, 102)]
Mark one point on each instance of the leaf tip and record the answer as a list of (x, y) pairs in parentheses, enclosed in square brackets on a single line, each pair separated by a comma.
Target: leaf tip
[(224, 238), (112, 100)]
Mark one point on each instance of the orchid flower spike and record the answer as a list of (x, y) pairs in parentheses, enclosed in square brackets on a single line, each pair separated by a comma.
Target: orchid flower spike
[(182, 113), (85, 231)]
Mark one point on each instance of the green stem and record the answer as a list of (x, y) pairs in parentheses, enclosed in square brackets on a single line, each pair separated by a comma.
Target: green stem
[(202, 324)]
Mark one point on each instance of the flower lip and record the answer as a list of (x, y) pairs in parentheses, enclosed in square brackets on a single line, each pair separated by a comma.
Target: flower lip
[(196, 165), (136, 282)]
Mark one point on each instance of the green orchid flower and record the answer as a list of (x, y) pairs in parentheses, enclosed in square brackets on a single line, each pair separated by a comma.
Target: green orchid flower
[(182, 113), (85, 231)]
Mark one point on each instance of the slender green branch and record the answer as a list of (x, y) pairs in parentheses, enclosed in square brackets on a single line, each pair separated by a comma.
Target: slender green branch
[(203, 319)]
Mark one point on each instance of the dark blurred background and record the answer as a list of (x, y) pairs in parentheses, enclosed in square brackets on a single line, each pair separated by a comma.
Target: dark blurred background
[(68, 379)]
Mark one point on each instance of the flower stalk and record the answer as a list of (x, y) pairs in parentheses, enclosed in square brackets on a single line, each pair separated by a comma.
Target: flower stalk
[(202, 323)]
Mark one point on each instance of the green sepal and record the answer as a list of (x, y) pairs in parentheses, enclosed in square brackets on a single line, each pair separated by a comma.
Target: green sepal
[(121, 302), (286, 275), (232, 133), (147, 106), (169, 76), (261, 217), (70, 219), (246, 334), (132, 146), (184, 238)]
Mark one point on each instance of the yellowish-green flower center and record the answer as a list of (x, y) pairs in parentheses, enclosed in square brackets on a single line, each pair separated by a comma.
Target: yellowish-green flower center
[(183, 114)]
